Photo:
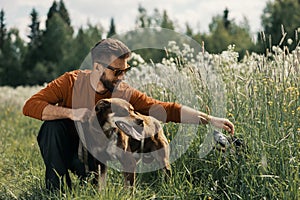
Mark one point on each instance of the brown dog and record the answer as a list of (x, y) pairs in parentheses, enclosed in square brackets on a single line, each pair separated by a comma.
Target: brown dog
[(127, 133)]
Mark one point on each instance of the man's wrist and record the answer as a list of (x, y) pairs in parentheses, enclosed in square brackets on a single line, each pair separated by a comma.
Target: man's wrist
[(208, 118), (205, 118), (69, 113)]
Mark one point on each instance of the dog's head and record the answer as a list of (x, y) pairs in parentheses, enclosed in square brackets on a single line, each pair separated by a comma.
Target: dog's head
[(113, 114)]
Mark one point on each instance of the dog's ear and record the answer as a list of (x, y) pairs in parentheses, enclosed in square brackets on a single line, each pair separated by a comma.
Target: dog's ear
[(157, 124), (102, 109), (102, 105)]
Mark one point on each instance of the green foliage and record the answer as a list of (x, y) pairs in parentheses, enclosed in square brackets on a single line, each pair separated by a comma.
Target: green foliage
[(58, 49), (82, 44), (166, 21), (2, 28), (64, 13), (224, 32), (56, 42), (156, 19), (52, 10), (280, 21), (143, 20), (11, 57), (32, 55), (189, 30), (35, 32), (112, 28)]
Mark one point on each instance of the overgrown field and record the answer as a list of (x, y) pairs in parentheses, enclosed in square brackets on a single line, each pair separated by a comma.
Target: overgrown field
[(261, 96)]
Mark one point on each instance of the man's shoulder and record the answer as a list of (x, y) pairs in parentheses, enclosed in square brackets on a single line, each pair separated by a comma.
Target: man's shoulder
[(77, 72), (123, 86)]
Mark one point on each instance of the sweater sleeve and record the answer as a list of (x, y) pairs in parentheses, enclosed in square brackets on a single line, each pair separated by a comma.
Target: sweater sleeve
[(54, 93), (163, 111)]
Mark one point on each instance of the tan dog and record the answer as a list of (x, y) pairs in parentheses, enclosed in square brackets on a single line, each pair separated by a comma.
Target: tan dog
[(128, 133)]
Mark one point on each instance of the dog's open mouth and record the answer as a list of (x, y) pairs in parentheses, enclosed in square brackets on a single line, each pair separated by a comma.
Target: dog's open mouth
[(135, 132)]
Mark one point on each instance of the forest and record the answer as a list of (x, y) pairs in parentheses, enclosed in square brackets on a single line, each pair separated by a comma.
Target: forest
[(58, 48)]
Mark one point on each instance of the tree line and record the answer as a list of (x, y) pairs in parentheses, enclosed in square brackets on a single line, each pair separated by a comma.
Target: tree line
[(57, 48)]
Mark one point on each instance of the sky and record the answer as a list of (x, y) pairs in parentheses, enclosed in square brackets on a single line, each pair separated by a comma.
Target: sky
[(198, 13)]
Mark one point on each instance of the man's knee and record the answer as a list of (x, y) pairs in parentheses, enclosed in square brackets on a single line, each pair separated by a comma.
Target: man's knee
[(55, 139), (53, 126), (53, 129)]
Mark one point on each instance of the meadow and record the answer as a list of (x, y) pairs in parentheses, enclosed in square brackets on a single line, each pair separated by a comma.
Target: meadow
[(259, 94)]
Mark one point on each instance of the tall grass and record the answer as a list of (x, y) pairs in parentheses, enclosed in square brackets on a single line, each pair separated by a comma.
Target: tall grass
[(262, 99)]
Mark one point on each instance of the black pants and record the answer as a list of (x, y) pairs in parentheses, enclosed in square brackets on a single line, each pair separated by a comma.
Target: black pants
[(58, 141)]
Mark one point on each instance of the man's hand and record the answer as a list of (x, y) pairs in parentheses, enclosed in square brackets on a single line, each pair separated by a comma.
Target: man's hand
[(189, 115), (222, 123), (80, 114)]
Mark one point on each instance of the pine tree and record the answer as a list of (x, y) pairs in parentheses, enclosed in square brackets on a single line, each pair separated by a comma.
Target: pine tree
[(83, 41), (55, 39), (143, 18), (189, 30), (220, 36), (33, 53), (11, 58), (2, 29), (53, 9), (166, 22), (226, 21), (35, 32), (56, 45), (64, 13), (112, 29)]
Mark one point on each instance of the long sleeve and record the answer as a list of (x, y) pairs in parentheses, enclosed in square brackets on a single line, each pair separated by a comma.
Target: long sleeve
[(163, 111), (59, 91)]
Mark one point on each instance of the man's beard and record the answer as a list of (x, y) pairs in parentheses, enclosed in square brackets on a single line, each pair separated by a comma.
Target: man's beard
[(108, 84)]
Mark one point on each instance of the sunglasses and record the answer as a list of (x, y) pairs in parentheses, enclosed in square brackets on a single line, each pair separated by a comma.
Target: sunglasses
[(117, 72)]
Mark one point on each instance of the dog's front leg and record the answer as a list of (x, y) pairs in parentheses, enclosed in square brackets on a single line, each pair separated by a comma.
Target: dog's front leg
[(129, 166), (129, 179), (126, 159), (162, 153), (164, 160)]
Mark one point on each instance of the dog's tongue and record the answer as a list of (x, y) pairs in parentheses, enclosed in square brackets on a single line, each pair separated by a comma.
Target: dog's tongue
[(129, 130)]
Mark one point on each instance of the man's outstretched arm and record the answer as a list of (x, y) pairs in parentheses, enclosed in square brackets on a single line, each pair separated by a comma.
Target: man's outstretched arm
[(192, 116)]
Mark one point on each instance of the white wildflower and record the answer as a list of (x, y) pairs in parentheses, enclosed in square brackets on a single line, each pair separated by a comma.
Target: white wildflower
[(290, 41), (134, 63), (277, 49)]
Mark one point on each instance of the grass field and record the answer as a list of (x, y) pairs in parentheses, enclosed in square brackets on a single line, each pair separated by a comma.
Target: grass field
[(263, 101)]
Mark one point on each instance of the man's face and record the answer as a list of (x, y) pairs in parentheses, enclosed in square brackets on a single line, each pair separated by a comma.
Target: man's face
[(113, 73)]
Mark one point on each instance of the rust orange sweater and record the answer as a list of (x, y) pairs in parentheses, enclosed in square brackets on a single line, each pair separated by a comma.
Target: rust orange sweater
[(73, 90)]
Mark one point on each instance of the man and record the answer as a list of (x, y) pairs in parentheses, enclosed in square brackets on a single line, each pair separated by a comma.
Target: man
[(71, 97)]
